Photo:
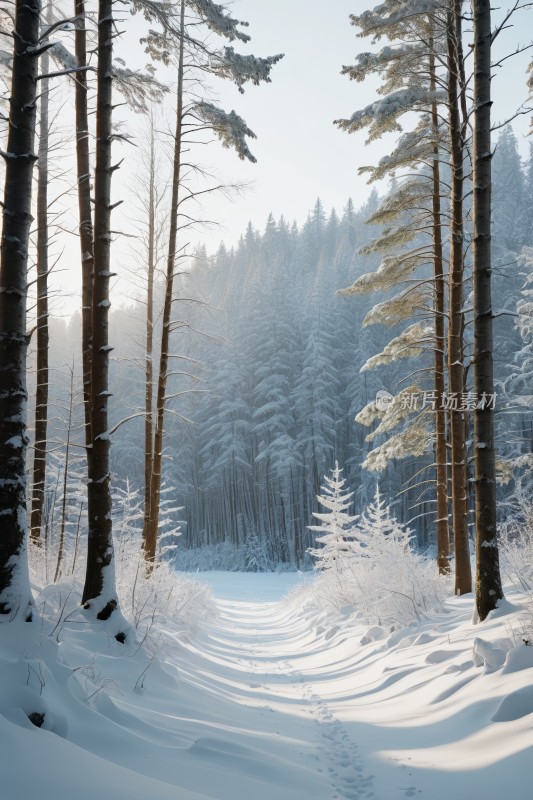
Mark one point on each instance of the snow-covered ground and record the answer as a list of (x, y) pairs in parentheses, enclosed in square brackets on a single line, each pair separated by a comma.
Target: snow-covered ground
[(269, 702)]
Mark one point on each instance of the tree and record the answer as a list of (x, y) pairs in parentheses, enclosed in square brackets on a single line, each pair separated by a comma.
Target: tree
[(83, 172), (376, 525), (15, 593), (456, 370), (336, 530), (42, 336), (426, 38), (99, 591), (192, 118), (488, 581)]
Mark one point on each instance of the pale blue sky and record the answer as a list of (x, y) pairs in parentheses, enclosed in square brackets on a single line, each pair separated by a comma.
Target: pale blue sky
[(301, 154)]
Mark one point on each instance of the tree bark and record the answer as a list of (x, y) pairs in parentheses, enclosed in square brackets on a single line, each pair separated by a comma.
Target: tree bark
[(62, 529), (463, 572), (488, 581), (83, 165), (100, 578), (15, 593), (151, 525), (443, 537), (149, 366), (42, 337)]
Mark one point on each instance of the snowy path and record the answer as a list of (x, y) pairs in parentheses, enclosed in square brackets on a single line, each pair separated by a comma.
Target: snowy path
[(259, 650), (263, 703)]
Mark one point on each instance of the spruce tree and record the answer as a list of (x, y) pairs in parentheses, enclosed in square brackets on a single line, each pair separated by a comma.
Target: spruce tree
[(336, 530)]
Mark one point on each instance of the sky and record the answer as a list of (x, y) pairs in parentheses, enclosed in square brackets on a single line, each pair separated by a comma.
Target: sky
[(301, 155)]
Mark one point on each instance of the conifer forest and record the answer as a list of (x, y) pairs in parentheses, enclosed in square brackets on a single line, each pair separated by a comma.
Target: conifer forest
[(266, 399)]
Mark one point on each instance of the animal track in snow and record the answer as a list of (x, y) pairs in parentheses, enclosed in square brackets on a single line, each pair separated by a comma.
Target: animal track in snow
[(338, 755)]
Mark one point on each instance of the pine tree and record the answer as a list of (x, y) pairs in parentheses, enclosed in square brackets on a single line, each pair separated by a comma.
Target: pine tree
[(99, 591), (488, 581), (42, 335), (376, 524), (192, 116), (336, 530)]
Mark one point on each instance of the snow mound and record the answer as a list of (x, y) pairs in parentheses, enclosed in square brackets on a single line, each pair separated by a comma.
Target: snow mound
[(519, 658), (373, 634), (488, 654), (515, 706)]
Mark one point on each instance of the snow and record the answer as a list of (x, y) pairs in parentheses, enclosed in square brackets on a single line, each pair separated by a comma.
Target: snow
[(266, 699)]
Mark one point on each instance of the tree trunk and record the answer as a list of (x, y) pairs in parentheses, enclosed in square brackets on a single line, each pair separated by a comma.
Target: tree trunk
[(41, 392), (151, 525), (463, 573), (443, 538), (62, 529), (149, 366), (15, 593), (100, 574), (83, 165), (488, 581)]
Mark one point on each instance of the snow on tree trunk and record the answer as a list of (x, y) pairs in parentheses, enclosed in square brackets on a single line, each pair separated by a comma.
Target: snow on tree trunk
[(15, 593), (99, 589), (488, 588)]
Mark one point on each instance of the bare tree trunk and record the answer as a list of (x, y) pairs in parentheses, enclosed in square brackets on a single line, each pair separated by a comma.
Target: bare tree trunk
[(41, 392), (61, 547), (83, 165), (15, 592), (151, 524), (443, 538), (463, 573), (149, 367), (100, 574), (488, 581)]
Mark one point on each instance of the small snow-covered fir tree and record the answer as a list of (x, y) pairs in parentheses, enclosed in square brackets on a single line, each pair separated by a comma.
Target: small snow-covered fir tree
[(377, 524), (337, 525)]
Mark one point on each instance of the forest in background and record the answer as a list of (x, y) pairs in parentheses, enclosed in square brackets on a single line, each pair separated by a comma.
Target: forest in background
[(247, 387), (270, 357)]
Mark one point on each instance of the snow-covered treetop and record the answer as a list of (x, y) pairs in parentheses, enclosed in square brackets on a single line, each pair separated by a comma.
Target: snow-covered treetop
[(243, 68), (378, 523), (230, 128), (336, 526), (382, 18), (218, 20)]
